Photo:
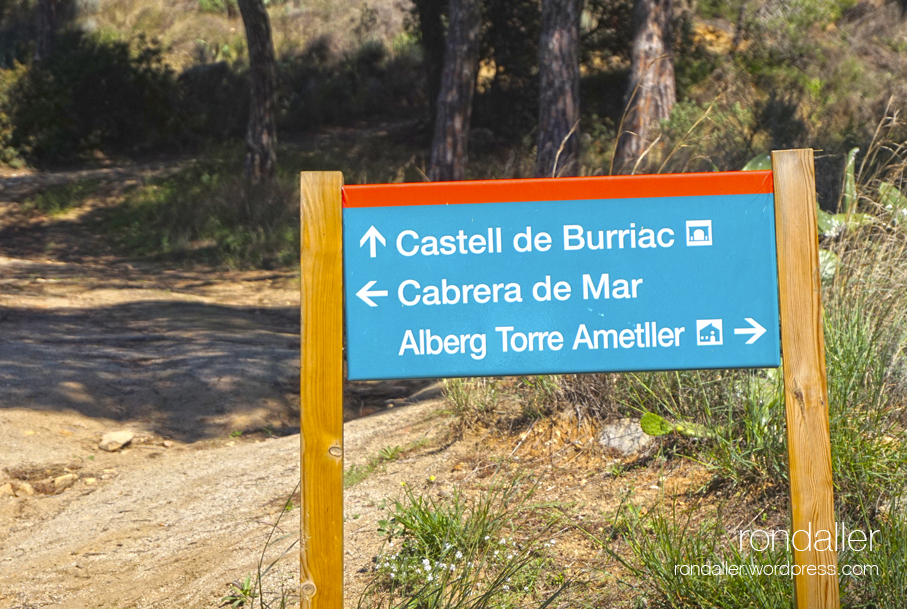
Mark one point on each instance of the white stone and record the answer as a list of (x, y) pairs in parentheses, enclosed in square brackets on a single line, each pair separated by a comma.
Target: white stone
[(625, 436), (24, 488), (115, 440), (64, 482)]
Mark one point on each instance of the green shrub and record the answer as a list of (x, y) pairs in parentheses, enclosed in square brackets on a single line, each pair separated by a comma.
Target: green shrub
[(92, 95), (218, 6), (215, 100), (449, 553), (9, 79), (318, 87), (209, 212), (57, 199)]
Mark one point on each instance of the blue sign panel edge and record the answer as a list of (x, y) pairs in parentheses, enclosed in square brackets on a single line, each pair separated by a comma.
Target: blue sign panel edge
[(366, 366)]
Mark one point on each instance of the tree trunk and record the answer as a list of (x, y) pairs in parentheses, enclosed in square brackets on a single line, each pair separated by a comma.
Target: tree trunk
[(46, 28), (558, 148), (261, 137), (651, 93), (431, 30), (458, 83)]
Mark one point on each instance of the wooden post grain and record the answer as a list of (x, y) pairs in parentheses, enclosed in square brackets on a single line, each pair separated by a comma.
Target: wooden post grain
[(805, 390), (321, 392)]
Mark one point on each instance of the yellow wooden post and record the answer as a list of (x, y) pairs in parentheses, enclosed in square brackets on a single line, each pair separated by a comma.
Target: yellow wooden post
[(805, 390), (321, 392)]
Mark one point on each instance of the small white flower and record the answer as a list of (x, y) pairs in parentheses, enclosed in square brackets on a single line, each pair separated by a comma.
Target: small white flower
[(502, 541), (487, 537), (459, 555), (430, 578), (510, 557)]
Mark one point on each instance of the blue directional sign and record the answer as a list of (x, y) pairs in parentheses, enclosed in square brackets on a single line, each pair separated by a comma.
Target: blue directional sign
[(548, 276)]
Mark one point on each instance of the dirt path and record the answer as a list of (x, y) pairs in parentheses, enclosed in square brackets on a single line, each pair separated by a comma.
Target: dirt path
[(202, 366)]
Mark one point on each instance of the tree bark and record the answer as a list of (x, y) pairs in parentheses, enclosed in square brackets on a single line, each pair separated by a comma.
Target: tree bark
[(431, 30), (261, 136), (46, 28), (458, 83), (558, 147), (651, 92)]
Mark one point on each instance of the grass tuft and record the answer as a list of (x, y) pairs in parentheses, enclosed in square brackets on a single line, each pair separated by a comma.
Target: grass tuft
[(451, 552)]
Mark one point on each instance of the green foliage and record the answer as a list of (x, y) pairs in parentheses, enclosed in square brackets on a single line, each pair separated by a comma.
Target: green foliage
[(666, 539), (242, 593), (538, 395), (787, 20), (654, 425), (714, 137), (761, 162), (215, 101), (657, 546), (209, 212), (893, 202), (448, 553), (9, 80), (245, 592), (91, 95), (508, 104), (57, 199), (474, 400), (828, 265), (849, 192), (319, 87), (218, 6), (356, 474)]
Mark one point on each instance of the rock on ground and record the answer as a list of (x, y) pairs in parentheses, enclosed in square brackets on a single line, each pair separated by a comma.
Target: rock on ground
[(115, 440)]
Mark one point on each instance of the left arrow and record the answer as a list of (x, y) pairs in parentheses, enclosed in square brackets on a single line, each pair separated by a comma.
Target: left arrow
[(366, 293), (372, 236)]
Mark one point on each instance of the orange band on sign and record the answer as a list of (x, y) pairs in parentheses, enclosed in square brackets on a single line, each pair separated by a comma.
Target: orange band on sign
[(559, 189)]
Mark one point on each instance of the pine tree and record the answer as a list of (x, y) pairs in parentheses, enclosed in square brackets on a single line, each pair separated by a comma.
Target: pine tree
[(558, 145), (261, 136), (651, 93), (458, 82)]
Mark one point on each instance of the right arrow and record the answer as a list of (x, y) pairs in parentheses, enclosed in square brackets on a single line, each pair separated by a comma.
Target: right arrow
[(366, 293), (756, 330)]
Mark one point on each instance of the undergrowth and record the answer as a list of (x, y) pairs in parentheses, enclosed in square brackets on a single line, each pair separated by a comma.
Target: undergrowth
[(58, 199), (457, 552)]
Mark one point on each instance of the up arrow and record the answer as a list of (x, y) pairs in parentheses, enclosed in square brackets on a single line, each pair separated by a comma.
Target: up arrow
[(372, 236), (756, 330), (366, 293)]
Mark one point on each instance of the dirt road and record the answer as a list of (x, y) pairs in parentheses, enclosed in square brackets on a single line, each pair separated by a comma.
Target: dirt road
[(202, 366)]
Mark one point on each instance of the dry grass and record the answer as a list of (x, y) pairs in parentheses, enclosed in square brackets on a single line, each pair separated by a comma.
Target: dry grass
[(189, 35)]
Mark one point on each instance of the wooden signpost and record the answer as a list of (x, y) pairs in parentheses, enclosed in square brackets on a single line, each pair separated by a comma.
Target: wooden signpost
[(554, 276), (805, 389)]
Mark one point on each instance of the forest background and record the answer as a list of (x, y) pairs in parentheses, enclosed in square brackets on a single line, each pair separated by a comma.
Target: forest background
[(691, 86)]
